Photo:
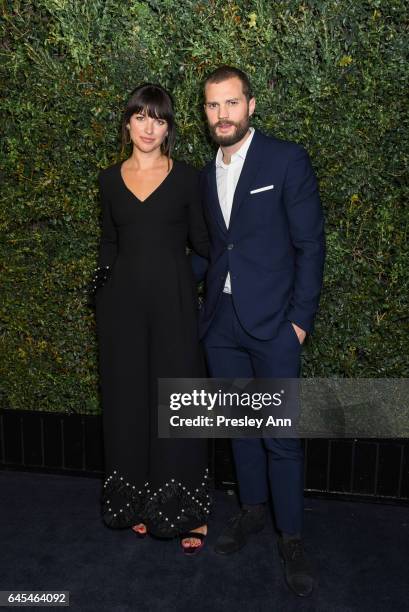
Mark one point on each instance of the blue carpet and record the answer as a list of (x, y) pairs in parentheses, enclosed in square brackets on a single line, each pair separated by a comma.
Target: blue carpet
[(52, 538)]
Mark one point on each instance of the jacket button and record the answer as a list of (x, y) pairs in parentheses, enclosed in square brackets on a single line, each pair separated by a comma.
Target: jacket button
[(230, 246)]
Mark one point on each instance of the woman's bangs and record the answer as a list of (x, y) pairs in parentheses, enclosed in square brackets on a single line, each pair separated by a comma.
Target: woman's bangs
[(154, 106)]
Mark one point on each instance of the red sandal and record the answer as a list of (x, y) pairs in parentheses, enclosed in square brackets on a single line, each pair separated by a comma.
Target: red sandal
[(192, 550), (139, 534)]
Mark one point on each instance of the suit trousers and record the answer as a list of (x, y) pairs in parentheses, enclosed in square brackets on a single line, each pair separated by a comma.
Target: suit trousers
[(268, 465)]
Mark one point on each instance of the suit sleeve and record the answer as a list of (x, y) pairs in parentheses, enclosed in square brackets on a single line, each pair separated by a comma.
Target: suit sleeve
[(306, 225), (109, 240)]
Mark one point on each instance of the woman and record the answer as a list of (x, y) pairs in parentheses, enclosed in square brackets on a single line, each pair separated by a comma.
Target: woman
[(146, 323)]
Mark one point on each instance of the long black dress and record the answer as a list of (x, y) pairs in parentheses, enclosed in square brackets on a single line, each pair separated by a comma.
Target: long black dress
[(146, 324)]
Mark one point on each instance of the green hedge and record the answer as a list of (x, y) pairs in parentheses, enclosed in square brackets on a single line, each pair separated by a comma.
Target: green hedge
[(331, 75)]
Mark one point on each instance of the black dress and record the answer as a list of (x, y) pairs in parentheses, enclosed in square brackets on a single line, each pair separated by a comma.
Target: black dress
[(146, 316)]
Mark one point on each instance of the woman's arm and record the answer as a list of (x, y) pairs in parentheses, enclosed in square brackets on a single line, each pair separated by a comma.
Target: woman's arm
[(109, 241), (198, 234)]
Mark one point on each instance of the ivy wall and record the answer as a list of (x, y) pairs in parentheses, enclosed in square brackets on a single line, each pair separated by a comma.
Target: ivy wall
[(332, 75)]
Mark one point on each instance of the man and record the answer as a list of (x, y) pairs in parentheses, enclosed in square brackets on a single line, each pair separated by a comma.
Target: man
[(263, 284)]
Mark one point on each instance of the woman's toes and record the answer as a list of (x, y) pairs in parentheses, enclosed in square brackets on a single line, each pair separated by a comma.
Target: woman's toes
[(190, 542)]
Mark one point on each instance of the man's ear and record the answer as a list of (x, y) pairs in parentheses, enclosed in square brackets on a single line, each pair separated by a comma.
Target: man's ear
[(252, 106)]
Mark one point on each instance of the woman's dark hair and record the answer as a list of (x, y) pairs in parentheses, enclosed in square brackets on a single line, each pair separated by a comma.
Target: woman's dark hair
[(157, 103)]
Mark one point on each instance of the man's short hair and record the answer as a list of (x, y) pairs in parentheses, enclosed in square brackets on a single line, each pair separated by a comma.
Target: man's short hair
[(228, 72)]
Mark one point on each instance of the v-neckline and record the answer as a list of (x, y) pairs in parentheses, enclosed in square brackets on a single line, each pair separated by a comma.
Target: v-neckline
[(152, 192)]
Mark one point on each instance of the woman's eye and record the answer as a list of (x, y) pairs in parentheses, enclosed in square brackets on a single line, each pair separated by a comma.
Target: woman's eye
[(161, 122), (140, 117)]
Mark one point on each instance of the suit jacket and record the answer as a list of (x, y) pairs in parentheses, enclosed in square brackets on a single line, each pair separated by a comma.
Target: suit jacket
[(274, 247)]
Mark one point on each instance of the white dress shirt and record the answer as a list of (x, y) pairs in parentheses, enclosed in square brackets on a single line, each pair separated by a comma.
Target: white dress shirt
[(227, 177)]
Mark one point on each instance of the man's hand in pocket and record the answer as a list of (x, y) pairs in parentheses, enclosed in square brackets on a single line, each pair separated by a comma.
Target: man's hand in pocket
[(301, 334)]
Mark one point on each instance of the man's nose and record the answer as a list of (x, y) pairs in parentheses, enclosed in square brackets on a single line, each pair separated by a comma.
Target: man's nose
[(223, 111)]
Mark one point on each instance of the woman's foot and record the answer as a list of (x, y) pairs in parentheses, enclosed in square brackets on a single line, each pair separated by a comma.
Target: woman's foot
[(140, 530), (191, 543)]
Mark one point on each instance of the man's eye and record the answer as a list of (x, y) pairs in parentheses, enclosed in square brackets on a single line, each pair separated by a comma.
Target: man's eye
[(232, 102), (211, 105)]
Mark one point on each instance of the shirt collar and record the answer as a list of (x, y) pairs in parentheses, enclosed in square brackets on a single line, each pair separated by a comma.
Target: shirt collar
[(241, 153)]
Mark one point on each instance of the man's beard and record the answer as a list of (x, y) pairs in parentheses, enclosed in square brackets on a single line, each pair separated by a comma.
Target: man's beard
[(242, 127)]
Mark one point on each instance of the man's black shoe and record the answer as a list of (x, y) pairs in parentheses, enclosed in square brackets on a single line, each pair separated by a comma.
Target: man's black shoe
[(238, 528), (298, 573)]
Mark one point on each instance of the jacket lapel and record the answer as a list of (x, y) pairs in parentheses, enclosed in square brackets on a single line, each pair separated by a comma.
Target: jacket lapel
[(213, 198), (251, 166)]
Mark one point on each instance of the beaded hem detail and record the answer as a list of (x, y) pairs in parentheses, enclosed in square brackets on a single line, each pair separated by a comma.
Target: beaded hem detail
[(146, 505)]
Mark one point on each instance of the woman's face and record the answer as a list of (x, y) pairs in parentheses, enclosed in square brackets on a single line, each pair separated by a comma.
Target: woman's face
[(147, 133)]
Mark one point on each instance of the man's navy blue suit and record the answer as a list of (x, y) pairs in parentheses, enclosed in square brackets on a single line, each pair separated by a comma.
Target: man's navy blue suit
[(274, 249)]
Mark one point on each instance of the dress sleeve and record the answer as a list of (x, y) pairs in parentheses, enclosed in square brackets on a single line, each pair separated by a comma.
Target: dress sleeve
[(109, 239), (197, 231)]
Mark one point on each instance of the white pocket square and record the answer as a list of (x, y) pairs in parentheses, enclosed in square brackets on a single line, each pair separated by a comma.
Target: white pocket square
[(266, 188)]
